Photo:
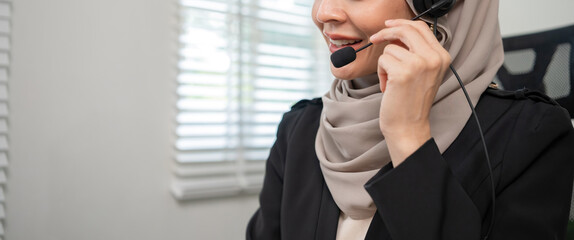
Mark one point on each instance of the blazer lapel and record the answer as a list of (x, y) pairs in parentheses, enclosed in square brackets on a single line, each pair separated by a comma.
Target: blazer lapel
[(328, 216)]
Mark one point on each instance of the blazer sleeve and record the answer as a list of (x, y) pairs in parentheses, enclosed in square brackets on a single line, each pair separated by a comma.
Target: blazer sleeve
[(265, 223), (421, 198)]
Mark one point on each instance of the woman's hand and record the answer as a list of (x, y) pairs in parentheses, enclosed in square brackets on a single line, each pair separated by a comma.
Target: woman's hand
[(410, 70)]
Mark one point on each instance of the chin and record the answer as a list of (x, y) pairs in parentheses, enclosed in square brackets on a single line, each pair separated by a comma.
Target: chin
[(349, 72)]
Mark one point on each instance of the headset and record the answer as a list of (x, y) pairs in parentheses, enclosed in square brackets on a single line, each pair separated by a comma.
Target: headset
[(441, 8), (433, 9)]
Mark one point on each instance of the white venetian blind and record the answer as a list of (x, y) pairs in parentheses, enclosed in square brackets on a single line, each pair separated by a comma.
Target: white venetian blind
[(243, 63), (5, 31)]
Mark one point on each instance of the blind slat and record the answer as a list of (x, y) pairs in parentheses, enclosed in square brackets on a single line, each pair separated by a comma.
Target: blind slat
[(216, 157), (3, 160)]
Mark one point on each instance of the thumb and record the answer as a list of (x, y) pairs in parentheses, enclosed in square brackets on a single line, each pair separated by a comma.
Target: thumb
[(383, 77)]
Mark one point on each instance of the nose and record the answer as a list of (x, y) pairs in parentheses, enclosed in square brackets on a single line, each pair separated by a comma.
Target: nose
[(328, 11)]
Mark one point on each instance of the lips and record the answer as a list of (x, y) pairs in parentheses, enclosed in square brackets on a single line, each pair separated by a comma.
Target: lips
[(341, 43), (338, 41)]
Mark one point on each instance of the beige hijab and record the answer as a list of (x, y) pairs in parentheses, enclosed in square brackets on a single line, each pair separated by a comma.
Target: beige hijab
[(349, 144)]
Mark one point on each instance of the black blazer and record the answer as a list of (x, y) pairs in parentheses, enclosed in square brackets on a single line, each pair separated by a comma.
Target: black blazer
[(432, 196)]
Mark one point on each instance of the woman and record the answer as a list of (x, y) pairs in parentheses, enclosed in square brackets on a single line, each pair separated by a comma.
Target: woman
[(390, 152)]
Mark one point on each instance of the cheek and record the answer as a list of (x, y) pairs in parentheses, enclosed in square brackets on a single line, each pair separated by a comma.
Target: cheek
[(370, 20), (372, 57)]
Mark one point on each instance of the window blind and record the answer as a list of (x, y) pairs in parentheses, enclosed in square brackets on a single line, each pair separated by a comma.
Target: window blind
[(243, 63), (5, 42)]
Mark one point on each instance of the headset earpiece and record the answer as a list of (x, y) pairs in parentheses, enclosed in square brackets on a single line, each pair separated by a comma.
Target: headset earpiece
[(423, 5)]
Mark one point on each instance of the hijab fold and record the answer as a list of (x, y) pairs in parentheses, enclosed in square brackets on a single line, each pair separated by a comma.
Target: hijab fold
[(350, 146)]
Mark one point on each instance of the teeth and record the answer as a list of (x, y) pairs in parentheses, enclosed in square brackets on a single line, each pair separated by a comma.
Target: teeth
[(340, 43)]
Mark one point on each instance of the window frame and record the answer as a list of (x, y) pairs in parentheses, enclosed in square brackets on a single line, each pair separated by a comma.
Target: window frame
[(212, 179), (6, 11)]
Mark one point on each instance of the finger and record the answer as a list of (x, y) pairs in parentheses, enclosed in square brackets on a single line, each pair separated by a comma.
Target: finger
[(384, 63), (398, 51), (411, 61), (416, 35), (383, 77), (436, 51), (390, 68), (421, 26), (406, 34), (432, 52)]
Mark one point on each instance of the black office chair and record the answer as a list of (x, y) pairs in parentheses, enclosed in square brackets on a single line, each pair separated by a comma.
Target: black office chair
[(542, 61)]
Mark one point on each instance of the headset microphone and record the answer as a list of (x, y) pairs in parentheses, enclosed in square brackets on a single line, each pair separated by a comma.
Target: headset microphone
[(347, 55)]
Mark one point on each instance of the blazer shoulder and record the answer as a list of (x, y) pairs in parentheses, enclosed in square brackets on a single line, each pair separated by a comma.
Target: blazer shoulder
[(306, 102), (520, 95), (532, 101), (304, 112)]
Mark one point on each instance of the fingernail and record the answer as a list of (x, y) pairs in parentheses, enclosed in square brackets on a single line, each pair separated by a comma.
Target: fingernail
[(389, 21)]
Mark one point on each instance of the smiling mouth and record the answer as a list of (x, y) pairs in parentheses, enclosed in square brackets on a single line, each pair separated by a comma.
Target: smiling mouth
[(342, 43)]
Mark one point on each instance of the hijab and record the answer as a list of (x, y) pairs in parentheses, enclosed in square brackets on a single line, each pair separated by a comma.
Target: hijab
[(350, 146)]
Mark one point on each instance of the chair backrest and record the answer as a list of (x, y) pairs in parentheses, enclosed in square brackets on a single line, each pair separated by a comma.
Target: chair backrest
[(541, 61)]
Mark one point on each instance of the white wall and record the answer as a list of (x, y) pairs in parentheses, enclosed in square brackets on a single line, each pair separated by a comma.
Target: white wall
[(527, 16), (92, 121), (92, 108)]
